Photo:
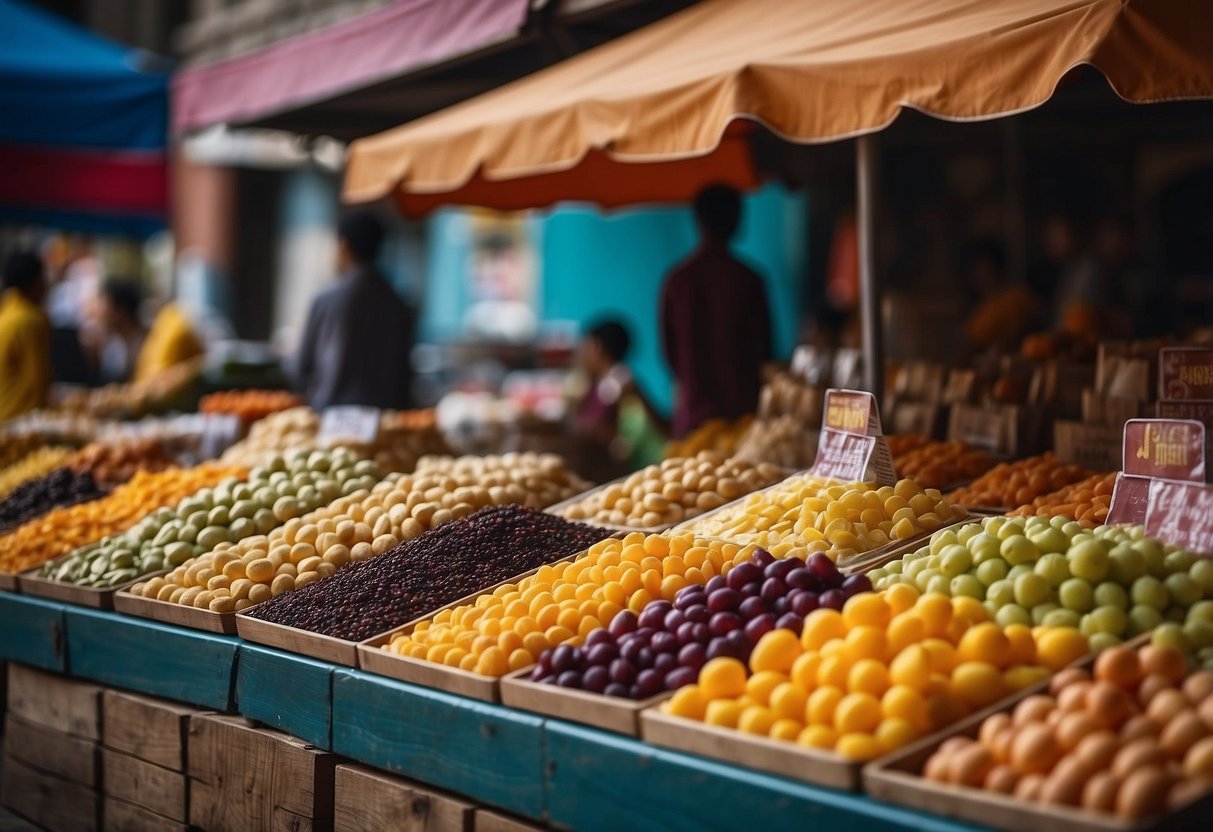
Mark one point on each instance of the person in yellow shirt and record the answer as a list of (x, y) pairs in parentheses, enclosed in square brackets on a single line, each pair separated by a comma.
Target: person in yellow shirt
[(25, 337), (170, 341)]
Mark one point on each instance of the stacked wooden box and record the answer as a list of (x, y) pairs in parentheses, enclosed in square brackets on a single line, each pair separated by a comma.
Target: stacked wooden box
[(143, 763), (52, 759), (242, 777)]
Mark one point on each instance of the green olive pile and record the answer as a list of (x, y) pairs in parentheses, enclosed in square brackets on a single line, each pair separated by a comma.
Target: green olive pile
[(289, 486)]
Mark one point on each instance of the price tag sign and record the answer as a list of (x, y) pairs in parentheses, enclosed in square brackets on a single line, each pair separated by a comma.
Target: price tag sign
[(219, 432), (852, 446), (349, 423), (1185, 374), (1155, 450), (1181, 513), (1168, 449)]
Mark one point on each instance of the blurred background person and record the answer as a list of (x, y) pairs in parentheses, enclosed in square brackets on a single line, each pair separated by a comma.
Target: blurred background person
[(715, 322), (618, 425), (358, 339), (118, 333), (25, 339)]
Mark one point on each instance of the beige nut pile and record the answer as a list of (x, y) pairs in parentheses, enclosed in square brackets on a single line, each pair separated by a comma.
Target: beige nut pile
[(673, 491)]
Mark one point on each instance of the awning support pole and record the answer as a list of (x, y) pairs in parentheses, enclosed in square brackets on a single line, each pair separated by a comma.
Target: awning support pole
[(867, 172)]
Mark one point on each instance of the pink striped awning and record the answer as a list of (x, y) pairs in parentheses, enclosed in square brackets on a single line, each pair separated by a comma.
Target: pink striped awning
[(372, 47)]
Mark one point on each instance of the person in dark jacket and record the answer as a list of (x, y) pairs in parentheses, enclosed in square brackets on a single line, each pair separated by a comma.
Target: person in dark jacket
[(715, 323), (359, 333)]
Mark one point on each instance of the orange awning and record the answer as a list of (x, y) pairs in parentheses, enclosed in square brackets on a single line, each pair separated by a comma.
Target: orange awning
[(656, 114)]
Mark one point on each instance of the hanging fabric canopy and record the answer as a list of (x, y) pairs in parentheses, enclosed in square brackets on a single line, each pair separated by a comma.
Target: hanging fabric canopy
[(658, 113), (82, 127)]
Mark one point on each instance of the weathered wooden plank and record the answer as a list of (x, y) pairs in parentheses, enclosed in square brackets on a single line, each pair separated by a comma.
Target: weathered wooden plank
[(50, 802), (56, 702), (53, 752), (145, 784), (153, 658), (242, 777), (489, 753), (366, 800), (588, 771), (33, 632), (286, 691), (489, 821), (150, 729), (121, 816)]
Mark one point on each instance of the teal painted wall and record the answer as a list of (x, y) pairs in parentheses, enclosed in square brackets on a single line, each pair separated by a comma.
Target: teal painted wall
[(596, 265)]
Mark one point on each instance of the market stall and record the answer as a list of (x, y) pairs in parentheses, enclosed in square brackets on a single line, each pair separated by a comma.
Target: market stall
[(656, 115), (807, 616)]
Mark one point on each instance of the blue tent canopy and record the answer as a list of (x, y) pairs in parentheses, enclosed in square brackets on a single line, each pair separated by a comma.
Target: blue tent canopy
[(83, 126)]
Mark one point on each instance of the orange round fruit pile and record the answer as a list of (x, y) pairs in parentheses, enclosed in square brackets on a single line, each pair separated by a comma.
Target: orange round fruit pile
[(1018, 483), (889, 668), (1086, 501), (935, 464), (508, 628), (1134, 739)]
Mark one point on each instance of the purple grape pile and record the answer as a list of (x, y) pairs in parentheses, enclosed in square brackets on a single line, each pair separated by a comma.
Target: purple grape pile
[(662, 649)]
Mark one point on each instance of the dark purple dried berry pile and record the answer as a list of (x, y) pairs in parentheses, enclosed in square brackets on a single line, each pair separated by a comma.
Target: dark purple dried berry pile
[(61, 487), (665, 646), (430, 571)]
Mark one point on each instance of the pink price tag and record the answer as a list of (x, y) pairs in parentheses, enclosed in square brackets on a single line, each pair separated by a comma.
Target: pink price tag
[(843, 456), (1181, 514), (852, 446), (1130, 497), (1169, 449), (1185, 374)]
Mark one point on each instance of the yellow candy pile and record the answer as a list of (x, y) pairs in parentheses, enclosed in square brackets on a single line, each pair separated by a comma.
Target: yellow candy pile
[(888, 669), (508, 629), (806, 514)]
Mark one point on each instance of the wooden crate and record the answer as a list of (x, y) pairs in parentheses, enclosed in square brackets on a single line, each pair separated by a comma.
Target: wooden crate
[(897, 778), (611, 713), (55, 702), (489, 821), (157, 789), (120, 816), (182, 616), (787, 759), (63, 755), (295, 640), (8, 582), (51, 802), (244, 778), (31, 583), (366, 800), (150, 729)]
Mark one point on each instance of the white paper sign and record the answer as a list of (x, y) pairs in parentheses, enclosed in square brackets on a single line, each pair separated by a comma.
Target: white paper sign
[(349, 423), (852, 446)]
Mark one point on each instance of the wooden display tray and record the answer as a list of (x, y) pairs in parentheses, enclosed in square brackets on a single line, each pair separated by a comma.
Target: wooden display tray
[(8, 582), (786, 759), (820, 767), (31, 583), (168, 613), (896, 778), (663, 527), (611, 713), (296, 640), (987, 511), (373, 658), (862, 562)]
